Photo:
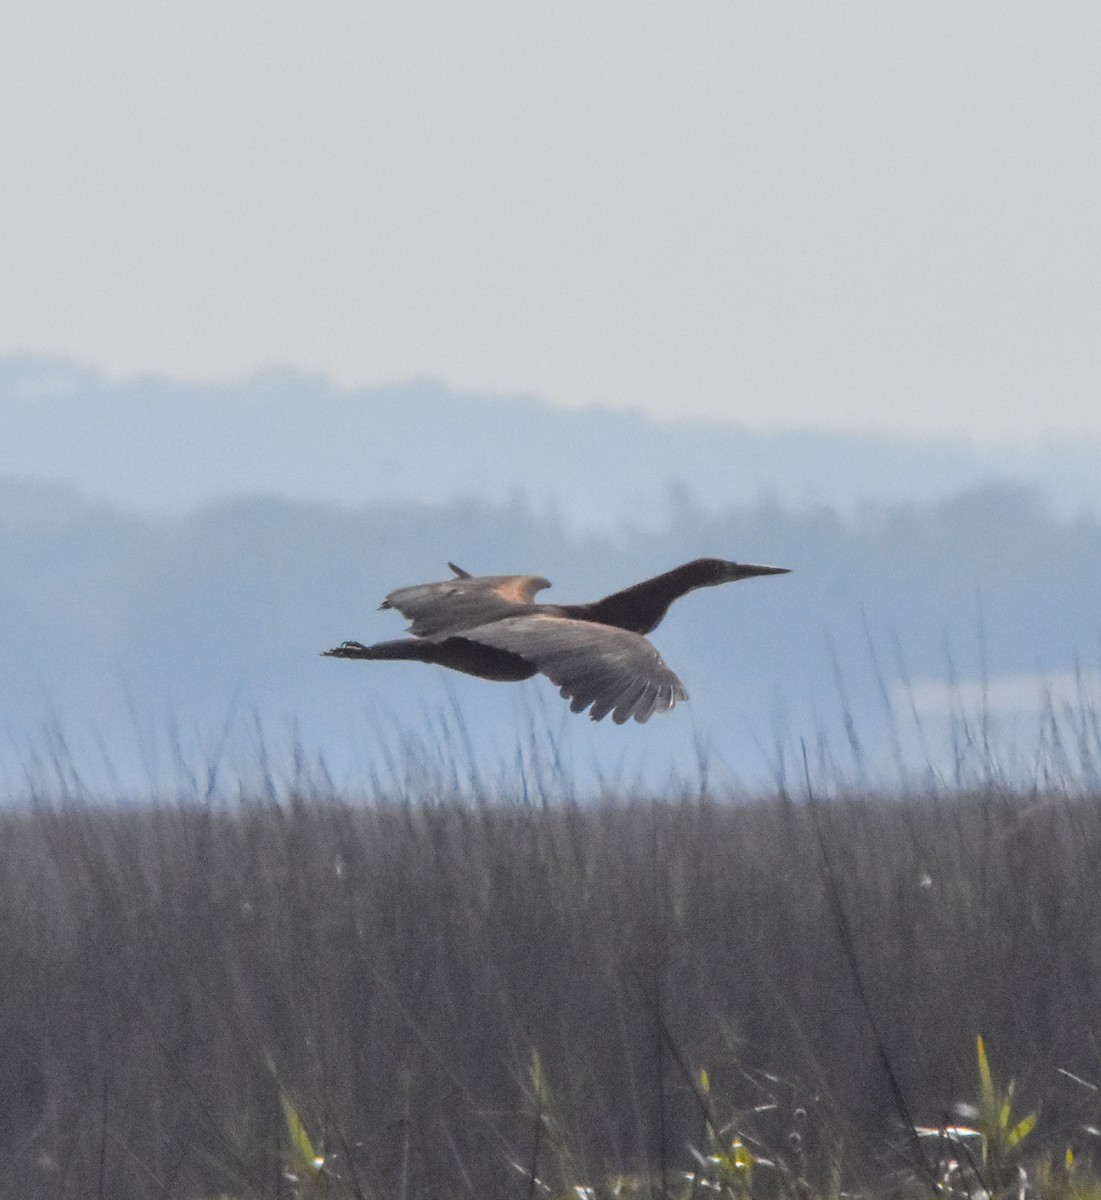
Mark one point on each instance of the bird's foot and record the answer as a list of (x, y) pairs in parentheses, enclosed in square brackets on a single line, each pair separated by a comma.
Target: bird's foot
[(345, 650)]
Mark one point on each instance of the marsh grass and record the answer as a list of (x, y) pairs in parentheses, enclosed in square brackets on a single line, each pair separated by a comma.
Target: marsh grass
[(463, 981), (182, 977)]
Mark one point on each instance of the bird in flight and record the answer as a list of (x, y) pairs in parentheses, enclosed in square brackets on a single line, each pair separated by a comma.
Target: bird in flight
[(597, 653)]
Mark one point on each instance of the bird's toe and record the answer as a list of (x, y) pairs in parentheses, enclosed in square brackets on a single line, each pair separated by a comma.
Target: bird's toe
[(344, 650)]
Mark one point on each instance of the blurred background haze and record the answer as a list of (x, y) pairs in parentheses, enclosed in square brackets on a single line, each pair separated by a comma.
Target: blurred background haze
[(300, 303)]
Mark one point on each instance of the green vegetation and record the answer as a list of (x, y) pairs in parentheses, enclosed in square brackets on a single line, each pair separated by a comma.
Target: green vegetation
[(307, 997)]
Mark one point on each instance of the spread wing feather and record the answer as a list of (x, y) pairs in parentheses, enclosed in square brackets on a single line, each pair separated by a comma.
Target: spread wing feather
[(613, 670), (436, 610)]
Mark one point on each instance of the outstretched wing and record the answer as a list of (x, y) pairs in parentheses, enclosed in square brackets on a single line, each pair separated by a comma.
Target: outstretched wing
[(437, 610), (613, 670)]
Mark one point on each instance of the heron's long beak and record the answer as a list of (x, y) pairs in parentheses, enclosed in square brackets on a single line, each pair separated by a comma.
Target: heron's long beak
[(747, 570)]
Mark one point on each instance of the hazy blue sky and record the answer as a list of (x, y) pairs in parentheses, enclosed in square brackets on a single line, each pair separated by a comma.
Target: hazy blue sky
[(869, 215)]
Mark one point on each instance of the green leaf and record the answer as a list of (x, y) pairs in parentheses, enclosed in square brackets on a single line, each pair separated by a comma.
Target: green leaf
[(538, 1079), (736, 1163), (987, 1099), (1021, 1130), (305, 1161)]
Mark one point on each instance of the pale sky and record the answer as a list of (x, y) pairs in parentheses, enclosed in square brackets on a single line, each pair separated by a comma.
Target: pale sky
[(869, 215)]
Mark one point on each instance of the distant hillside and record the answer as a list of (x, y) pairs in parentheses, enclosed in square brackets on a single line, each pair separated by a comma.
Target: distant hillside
[(149, 648), (156, 445)]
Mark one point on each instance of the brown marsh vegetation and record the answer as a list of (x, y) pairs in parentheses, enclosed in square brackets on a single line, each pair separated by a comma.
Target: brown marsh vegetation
[(687, 996)]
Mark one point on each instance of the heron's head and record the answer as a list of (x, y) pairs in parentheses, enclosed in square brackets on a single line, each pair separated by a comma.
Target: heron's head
[(718, 570)]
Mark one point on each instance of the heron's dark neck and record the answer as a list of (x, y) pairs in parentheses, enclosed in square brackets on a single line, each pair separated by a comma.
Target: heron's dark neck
[(640, 608)]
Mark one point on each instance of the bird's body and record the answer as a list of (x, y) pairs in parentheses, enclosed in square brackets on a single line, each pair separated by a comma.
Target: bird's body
[(597, 654)]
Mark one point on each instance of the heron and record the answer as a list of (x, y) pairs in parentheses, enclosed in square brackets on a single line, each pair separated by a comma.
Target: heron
[(597, 654)]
